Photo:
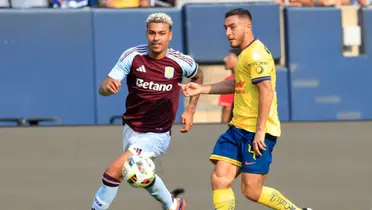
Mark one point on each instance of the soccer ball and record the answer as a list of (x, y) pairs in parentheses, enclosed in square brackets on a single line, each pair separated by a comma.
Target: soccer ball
[(139, 171)]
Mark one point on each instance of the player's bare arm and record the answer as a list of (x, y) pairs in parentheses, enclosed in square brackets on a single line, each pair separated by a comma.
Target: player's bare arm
[(266, 95), (188, 115), (223, 87), (198, 79), (109, 87)]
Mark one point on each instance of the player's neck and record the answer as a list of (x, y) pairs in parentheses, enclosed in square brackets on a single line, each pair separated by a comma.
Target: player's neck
[(247, 42), (157, 56)]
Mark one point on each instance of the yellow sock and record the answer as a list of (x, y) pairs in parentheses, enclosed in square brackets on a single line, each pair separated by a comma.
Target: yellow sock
[(224, 199), (275, 200)]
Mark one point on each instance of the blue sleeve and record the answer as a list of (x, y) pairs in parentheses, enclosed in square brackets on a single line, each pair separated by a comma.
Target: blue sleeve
[(188, 65), (124, 64), (189, 71)]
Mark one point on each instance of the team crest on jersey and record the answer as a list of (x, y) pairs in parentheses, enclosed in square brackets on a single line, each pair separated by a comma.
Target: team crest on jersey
[(169, 72), (259, 69)]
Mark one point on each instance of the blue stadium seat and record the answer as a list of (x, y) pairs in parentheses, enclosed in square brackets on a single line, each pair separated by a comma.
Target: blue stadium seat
[(325, 85), (47, 65)]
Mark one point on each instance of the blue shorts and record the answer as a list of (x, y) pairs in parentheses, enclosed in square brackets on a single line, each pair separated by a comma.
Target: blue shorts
[(235, 146)]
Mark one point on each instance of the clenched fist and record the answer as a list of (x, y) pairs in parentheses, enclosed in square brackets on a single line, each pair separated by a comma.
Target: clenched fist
[(109, 86)]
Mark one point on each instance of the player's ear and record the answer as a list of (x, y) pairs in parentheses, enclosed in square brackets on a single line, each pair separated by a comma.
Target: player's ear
[(250, 26), (170, 35)]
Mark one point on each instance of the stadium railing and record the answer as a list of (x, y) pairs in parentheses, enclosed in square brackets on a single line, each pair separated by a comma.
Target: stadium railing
[(30, 121)]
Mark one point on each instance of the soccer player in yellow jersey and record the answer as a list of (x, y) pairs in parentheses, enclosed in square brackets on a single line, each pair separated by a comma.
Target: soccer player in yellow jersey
[(246, 147)]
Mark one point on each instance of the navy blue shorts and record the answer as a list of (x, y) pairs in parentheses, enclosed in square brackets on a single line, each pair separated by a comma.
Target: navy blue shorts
[(235, 146)]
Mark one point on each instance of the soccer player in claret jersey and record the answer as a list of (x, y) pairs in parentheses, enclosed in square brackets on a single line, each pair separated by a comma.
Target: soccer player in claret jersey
[(246, 147), (153, 72)]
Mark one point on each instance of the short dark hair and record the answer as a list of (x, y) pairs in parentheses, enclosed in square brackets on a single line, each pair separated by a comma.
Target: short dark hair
[(239, 12)]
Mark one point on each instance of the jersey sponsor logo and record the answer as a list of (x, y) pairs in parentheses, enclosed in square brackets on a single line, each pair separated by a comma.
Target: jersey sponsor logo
[(239, 87), (169, 72), (240, 84), (258, 63), (153, 86)]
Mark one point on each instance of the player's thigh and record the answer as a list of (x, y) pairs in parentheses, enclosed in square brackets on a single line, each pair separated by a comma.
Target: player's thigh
[(115, 167), (226, 158), (128, 134), (146, 144), (252, 163)]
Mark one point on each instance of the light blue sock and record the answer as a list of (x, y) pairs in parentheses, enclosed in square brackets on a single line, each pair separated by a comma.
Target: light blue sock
[(104, 197), (106, 193), (159, 191)]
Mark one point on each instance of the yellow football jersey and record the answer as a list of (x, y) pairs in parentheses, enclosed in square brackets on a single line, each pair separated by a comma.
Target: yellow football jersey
[(255, 64), (123, 3)]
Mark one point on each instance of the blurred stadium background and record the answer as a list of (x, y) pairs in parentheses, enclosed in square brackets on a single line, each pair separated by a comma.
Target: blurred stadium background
[(54, 55)]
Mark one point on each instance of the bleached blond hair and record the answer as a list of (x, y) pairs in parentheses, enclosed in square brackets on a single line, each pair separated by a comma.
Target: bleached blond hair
[(160, 18)]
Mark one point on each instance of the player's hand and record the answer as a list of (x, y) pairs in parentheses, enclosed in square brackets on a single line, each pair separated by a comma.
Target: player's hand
[(187, 119), (190, 89), (259, 142), (113, 86)]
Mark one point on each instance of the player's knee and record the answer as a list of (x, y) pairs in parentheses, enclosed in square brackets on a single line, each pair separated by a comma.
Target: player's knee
[(113, 172), (251, 191), (221, 180), (223, 175)]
